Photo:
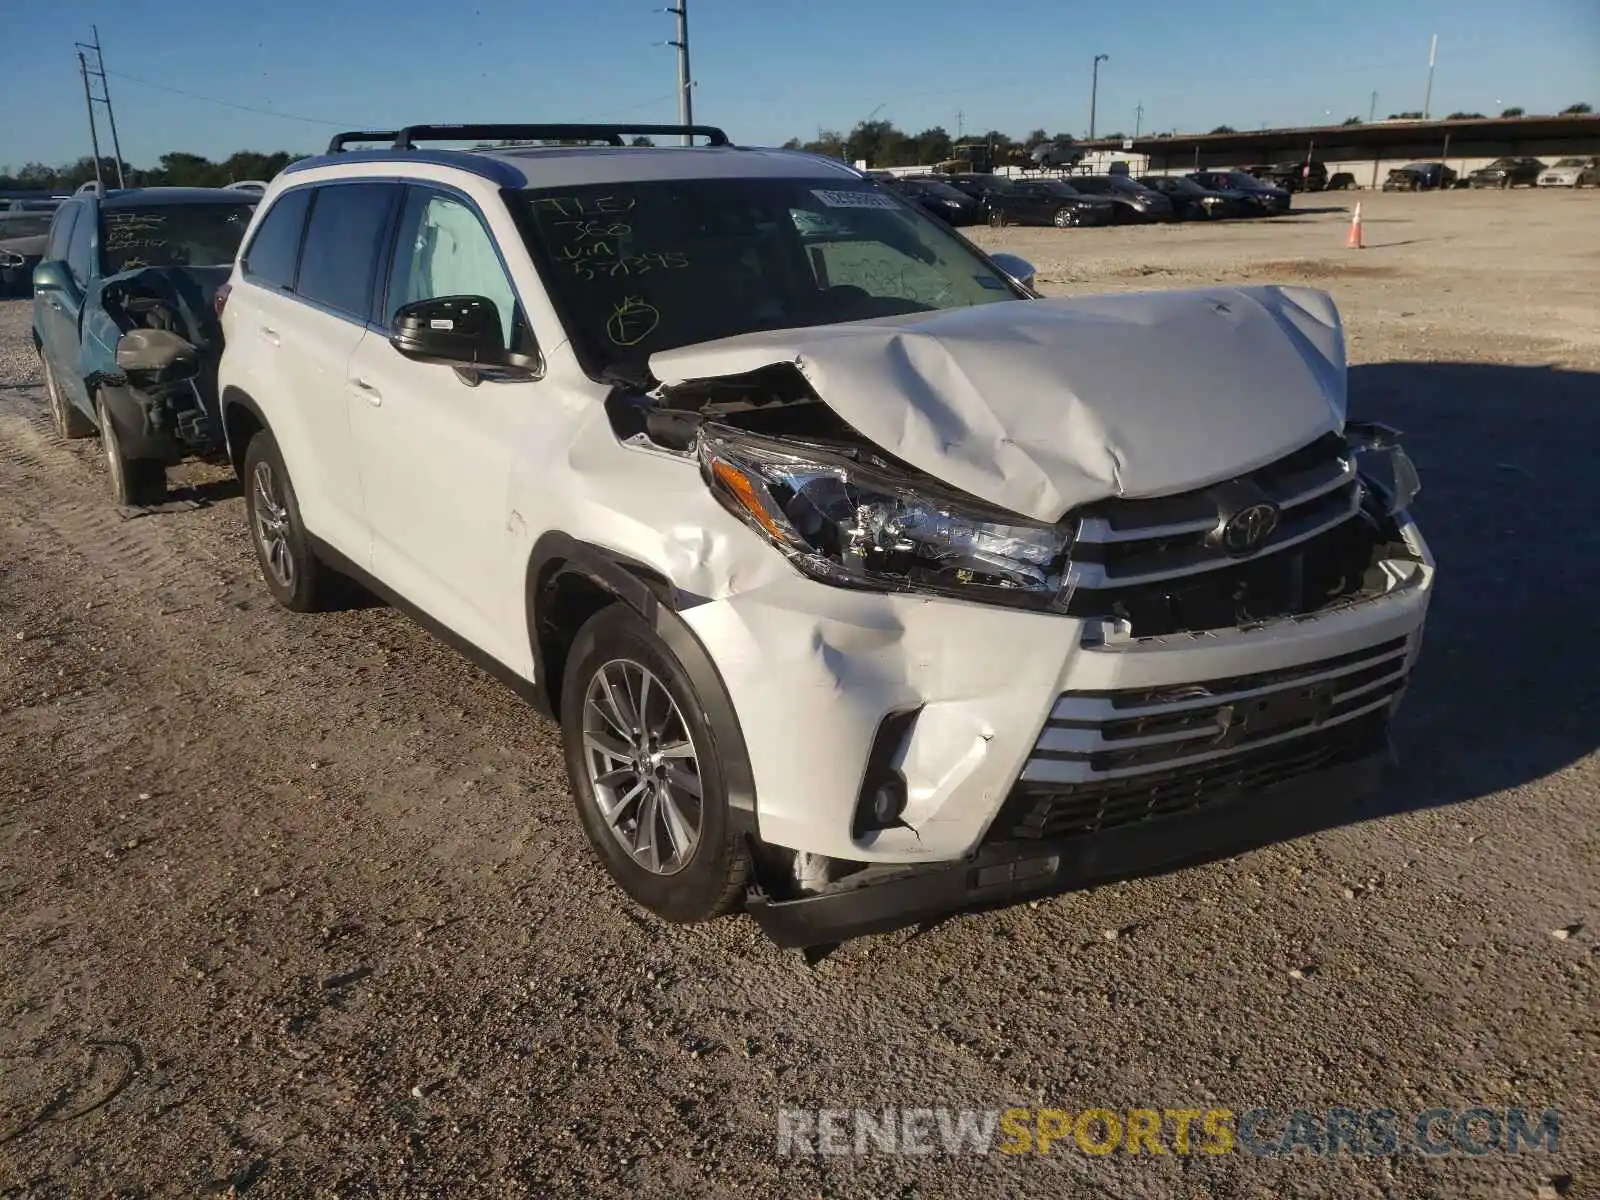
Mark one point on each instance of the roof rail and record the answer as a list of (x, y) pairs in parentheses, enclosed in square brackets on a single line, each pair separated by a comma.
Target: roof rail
[(407, 138), (341, 140)]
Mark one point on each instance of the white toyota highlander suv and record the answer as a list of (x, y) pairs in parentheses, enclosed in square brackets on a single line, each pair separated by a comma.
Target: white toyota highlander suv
[(865, 583)]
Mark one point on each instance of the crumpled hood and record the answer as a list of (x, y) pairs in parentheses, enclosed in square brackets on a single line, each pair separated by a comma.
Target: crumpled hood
[(1043, 405)]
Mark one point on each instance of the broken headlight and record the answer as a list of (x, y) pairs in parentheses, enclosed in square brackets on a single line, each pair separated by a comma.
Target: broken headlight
[(867, 525), (1386, 469)]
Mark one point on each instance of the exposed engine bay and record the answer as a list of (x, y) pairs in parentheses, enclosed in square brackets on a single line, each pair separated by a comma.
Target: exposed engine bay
[(166, 342), (1340, 541)]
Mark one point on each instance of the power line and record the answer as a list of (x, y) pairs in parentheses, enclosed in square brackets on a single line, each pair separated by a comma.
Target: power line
[(265, 112)]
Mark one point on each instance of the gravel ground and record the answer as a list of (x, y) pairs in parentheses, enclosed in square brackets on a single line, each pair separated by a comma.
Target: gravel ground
[(297, 905)]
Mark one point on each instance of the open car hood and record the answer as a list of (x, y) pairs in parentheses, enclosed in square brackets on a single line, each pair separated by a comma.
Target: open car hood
[(1043, 405)]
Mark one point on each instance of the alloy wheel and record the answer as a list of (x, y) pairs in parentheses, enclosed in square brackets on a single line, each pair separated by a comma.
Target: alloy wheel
[(272, 524), (643, 766)]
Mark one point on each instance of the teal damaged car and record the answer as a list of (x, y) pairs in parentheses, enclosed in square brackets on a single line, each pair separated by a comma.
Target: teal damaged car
[(124, 321)]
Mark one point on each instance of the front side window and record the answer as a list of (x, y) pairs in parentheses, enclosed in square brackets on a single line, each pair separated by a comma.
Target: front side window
[(444, 250), (171, 235), (61, 231), (80, 251), (339, 263), (636, 268)]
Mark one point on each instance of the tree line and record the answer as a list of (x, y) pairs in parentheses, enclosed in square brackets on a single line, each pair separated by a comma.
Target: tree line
[(175, 169), (880, 143)]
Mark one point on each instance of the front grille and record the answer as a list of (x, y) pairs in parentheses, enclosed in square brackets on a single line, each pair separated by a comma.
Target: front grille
[(1061, 813), (1157, 563), (1092, 737)]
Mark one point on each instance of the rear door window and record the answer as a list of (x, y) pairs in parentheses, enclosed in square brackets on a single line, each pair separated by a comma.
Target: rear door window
[(275, 249), (347, 229)]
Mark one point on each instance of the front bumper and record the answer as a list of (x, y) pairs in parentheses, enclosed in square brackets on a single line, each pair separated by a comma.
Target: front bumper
[(814, 671), (1005, 873)]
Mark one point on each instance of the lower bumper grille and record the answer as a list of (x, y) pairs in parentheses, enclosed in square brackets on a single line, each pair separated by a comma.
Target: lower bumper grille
[(1041, 811)]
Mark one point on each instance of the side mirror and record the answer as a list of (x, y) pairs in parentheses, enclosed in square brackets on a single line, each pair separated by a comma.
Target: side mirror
[(1018, 268), (157, 356), (455, 331), (52, 276)]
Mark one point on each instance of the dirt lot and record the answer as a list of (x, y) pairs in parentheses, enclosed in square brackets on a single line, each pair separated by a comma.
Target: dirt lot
[(297, 905)]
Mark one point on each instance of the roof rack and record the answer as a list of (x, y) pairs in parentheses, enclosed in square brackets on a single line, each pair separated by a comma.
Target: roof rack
[(341, 140), (407, 138)]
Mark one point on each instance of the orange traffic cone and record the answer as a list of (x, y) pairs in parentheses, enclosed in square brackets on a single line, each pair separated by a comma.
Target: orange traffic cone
[(1354, 241)]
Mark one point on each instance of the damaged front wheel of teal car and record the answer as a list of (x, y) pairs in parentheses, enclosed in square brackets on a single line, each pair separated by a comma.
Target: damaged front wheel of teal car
[(135, 482)]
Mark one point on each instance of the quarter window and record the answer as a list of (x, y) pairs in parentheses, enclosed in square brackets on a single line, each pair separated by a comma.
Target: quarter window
[(275, 248), (61, 231)]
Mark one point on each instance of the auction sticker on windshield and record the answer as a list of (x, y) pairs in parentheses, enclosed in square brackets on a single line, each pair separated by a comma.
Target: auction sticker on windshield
[(856, 199)]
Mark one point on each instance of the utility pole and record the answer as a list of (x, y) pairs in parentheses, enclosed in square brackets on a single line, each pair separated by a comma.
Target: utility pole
[(94, 137), (1427, 97), (685, 100), (1138, 118), (961, 124), (98, 71), (1372, 110), (1094, 89)]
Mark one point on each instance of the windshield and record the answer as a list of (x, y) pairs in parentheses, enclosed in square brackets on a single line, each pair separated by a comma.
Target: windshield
[(20, 225), (1569, 162), (1093, 185), (636, 268), (172, 235), (1056, 187), (939, 191)]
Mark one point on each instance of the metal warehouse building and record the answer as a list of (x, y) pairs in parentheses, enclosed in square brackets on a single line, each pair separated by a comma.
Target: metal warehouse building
[(1366, 151)]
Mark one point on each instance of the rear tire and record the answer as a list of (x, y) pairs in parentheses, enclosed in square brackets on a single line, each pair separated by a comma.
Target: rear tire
[(635, 780), (295, 576), (135, 482), (69, 422)]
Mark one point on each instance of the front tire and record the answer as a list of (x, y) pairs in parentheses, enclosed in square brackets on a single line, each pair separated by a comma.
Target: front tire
[(1063, 219), (997, 220), (135, 482), (646, 772), (69, 422), (295, 576)]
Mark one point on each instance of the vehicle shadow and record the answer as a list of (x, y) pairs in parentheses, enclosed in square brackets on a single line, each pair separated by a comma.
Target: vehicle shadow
[(1505, 691)]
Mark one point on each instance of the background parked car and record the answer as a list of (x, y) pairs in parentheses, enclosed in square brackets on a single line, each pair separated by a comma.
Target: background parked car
[(1341, 181), (1190, 200), (1134, 201), (1505, 173), (1056, 153), (1049, 202), (980, 185), (1419, 177), (1267, 199), (1310, 175), (126, 329), (1572, 172), (938, 198), (22, 239)]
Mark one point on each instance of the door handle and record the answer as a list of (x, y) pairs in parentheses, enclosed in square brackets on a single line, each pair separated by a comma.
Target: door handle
[(367, 392), (270, 336)]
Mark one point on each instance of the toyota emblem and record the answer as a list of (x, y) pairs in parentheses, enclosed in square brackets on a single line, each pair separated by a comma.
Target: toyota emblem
[(1246, 529)]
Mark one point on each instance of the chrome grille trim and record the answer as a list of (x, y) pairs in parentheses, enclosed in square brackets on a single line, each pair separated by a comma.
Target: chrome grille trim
[(1092, 737)]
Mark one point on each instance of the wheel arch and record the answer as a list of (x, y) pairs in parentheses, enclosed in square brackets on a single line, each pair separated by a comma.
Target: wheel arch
[(241, 421), (568, 581)]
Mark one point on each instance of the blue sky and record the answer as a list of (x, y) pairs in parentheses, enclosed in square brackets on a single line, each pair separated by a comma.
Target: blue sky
[(767, 70)]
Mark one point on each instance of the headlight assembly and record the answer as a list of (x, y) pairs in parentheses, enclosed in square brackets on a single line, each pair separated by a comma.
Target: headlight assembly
[(860, 525), (1386, 469)]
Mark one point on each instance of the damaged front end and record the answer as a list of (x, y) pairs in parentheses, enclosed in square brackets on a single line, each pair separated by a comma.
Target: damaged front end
[(157, 343)]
